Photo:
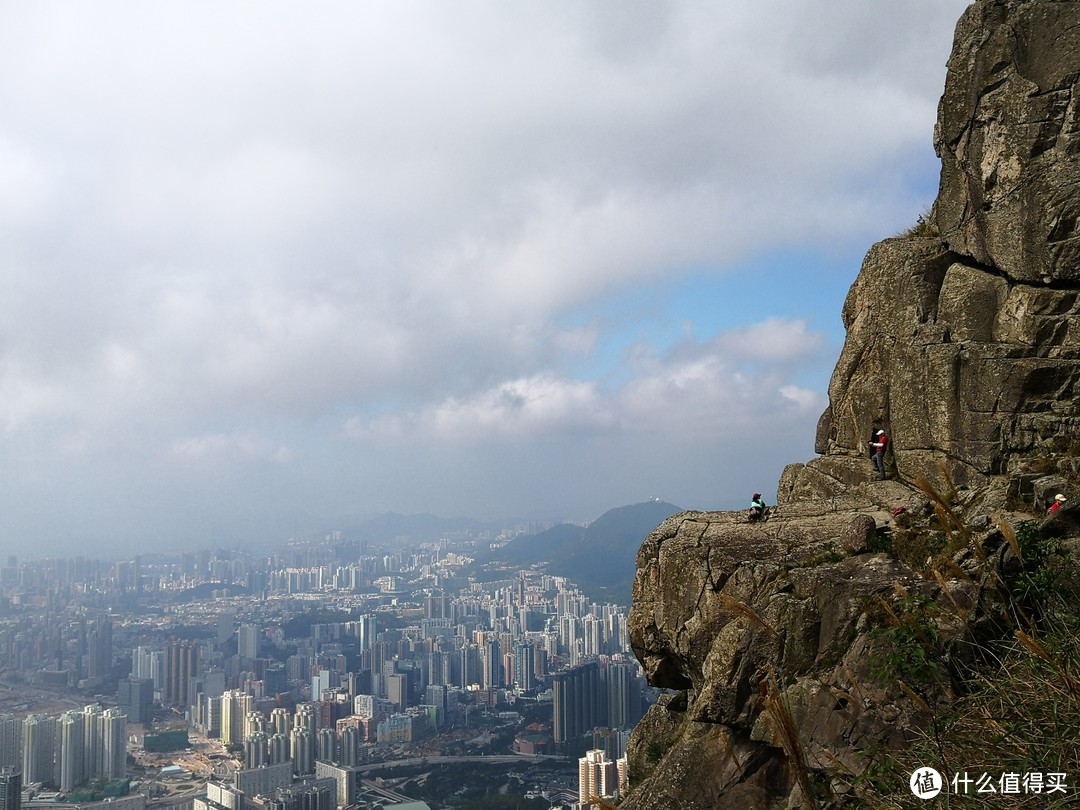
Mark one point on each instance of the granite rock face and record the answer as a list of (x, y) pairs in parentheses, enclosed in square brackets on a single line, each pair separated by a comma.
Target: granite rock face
[(966, 370), (964, 345), (1008, 136), (770, 627), (963, 342)]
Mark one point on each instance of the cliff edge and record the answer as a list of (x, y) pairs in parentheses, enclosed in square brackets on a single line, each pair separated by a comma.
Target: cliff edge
[(803, 646)]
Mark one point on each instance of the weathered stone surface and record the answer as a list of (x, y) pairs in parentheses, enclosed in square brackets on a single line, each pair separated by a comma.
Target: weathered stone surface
[(695, 763), (965, 370), (1008, 136), (860, 534), (748, 617)]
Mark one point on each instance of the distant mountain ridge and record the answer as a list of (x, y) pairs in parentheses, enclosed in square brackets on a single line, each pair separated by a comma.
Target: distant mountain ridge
[(599, 558)]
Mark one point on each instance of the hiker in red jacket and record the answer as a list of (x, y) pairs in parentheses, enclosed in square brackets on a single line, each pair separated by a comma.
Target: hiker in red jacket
[(880, 443)]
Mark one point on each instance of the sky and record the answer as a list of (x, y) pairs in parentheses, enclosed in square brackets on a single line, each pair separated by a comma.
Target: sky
[(270, 268)]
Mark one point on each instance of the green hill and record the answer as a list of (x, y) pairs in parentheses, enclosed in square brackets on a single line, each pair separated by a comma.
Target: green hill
[(599, 558)]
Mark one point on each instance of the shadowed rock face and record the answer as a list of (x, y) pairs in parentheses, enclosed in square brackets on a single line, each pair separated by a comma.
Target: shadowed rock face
[(965, 347)]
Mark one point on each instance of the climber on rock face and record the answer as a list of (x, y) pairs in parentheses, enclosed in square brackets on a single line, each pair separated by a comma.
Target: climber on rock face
[(879, 443)]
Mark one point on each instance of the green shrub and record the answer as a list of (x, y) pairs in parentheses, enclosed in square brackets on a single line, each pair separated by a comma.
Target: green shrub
[(908, 642), (924, 226)]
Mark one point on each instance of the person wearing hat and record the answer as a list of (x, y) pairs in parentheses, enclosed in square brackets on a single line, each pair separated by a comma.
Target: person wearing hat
[(757, 507), (1059, 501), (880, 443)]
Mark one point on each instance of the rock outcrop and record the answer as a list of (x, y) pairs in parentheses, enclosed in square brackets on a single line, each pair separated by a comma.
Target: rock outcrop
[(963, 341)]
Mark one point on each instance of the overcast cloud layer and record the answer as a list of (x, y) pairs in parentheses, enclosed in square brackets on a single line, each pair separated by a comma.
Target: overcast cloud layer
[(266, 266)]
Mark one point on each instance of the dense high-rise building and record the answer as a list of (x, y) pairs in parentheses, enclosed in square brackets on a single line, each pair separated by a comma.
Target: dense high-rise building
[(350, 746), (260, 781), (397, 690), (569, 633), (147, 663), (306, 717), (438, 606), (577, 702), (524, 666), (72, 740), (114, 744), (39, 747), (11, 742), (100, 649), (592, 636), (318, 794), (254, 722), (280, 721), (365, 629), (226, 621), (256, 750), (440, 670), (367, 707), (344, 781), (181, 665), (326, 743), (598, 778), (247, 641), (93, 756), (493, 664), (135, 697), (321, 681), (302, 744), (624, 694), (275, 679), (470, 670), (10, 788), (278, 745), (235, 707)]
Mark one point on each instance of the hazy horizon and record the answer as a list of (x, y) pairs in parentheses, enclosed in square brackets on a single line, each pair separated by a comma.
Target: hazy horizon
[(267, 268)]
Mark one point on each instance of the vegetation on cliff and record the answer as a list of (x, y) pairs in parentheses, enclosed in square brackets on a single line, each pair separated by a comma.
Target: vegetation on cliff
[(1015, 716)]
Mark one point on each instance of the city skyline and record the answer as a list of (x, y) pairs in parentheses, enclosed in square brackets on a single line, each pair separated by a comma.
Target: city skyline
[(330, 663)]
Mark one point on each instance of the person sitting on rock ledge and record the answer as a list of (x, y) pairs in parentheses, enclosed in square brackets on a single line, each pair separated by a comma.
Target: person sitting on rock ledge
[(1059, 501), (757, 507), (880, 443)]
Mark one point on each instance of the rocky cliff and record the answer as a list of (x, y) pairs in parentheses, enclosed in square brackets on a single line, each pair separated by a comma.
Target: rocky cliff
[(794, 644)]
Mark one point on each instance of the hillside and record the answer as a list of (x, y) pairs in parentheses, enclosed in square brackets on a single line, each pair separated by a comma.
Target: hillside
[(599, 558)]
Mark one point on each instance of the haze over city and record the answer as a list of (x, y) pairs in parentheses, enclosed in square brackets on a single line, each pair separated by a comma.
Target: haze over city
[(269, 269)]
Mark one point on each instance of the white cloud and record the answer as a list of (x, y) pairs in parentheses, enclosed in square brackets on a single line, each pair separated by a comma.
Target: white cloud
[(690, 390), (775, 340), (225, 447), (215, 215), (25, 184), (529, 408)]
